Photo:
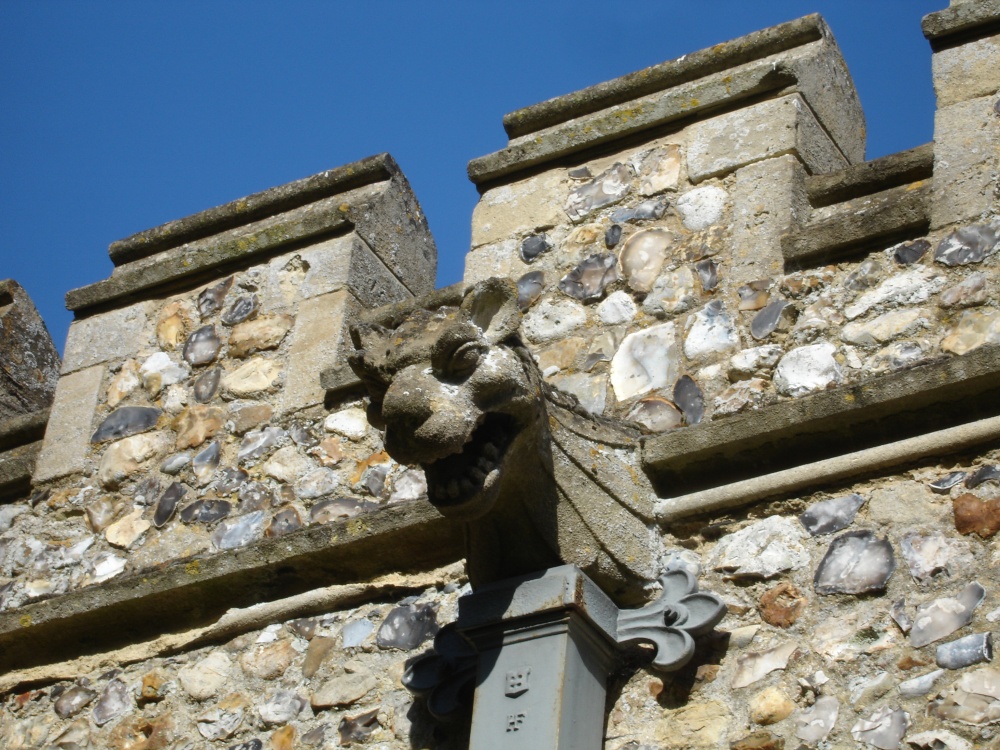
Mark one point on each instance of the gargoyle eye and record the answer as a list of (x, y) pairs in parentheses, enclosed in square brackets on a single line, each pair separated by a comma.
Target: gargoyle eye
[(464, 359)]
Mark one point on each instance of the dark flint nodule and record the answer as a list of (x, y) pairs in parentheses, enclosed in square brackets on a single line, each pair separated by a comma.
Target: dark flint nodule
[(128, 420), (206, 511), (167, 504), (230, 480), (72, 701), (358, 728), (651, 209), (285, 521), (202, 346), (708, 272), (529, 289), (534, 246), (764, 322), (856, 562), (964, 652), (943, 485), (146, 490), (910, 252), (967, 245), (408, 626), (207, 384), (688, 396), (206, 460), (831, 515), (589, 279), (864, 276), (243, 308), (612, 236), (581, 173), (253, 744), (115, 700), (210, 300), (983, 474), (254, 496), (304, 627), (373, 479)]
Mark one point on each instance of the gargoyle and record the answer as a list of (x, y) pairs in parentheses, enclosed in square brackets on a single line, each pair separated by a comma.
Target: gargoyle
[(538, 481)]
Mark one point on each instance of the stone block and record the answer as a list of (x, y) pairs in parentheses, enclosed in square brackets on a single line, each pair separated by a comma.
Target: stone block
[(768, 200), (783, 126), (966, 161), (347, 262), (113, 335), (67, 436), (967, 71), (490, 260), (318, 344), (520, 207)]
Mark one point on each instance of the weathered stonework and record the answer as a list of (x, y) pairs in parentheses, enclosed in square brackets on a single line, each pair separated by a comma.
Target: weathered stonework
[(219, 550)]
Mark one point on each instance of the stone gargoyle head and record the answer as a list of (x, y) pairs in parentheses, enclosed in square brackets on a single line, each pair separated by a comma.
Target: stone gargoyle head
[(538, 481)]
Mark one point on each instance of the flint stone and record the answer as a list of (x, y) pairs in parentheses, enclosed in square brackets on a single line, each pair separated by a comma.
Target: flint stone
[(884, 730), (258, 442), (159, 371), (967, 293), (219, 725), (529, 289), (756, 665), (72, 701), (229, 480), (196, 424), (973, 699), (357, 729), (206, 385), (256, 376), (206, 511), (590, 278), (204, 679), (612, 236), (807, 369), (689, 398), (281, 707), (116, 700), (899, 355), (608, 187), (929, 555), (974, 329), (202, 346), (702, 207), (407, 626), (408, 485), (710, 331), (942, 617), (254, 496), (288, 464), (816, 722), (127, 456), (656, 414), (660, 170), (645, 211), (316, 483), (908, 253), (964, 652), (885, 327), (553, 319), (285, 521), (763, 549), (937, 739), (243, 307), (974, 515), (987, 473), (261, 334), (646, 360), (968, 245), (205, 463), (174, 464), (831, 515), (910, 287), (590, 390), (754, 362), (345, 690), (246, 415), (920, 685), (237, 532), (123, 383), (350, 423), (855, 563), (337, 509), (126, 421), (210, 299), (533, 246), (616, 309), (745, 394), (943, 485), (355, 632), (672, 293), (124, 532), (167, 504), (270, 661), (864, 276)]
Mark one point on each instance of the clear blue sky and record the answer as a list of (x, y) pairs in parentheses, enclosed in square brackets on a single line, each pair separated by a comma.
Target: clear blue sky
[(117, 116)]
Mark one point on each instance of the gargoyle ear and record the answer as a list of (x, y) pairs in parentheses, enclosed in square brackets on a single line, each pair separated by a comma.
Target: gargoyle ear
[(491, 306), (368, 336)]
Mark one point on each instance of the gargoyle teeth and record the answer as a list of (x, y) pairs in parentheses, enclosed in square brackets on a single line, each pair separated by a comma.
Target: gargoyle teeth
[(477, 474), (485, 464), (453, 489), (491, 451)]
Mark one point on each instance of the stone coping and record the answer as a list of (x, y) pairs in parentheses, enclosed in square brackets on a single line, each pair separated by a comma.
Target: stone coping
[(873, 176), (196, 592), (790, 433), (16, 467), (666, 75), (799, 56), (881, 219), (253, 208), (962, 22)]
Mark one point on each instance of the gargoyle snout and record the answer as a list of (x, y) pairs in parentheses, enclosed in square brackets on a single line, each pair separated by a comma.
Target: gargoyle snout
[(424, 422)]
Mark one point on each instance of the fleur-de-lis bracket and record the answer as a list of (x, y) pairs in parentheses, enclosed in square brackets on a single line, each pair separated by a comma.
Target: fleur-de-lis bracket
[(671, 622)]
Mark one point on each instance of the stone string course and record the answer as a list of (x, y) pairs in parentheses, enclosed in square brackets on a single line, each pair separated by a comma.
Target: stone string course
[(677, 265)]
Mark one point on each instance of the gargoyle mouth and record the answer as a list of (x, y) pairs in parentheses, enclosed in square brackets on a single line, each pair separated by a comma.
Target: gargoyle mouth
[(455, 480)]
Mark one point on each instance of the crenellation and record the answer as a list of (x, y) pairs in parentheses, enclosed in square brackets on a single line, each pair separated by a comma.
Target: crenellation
[(722, 349)]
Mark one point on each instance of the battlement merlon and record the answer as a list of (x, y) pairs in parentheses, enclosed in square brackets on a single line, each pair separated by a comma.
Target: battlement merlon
[(371, 197), (798, 57)]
